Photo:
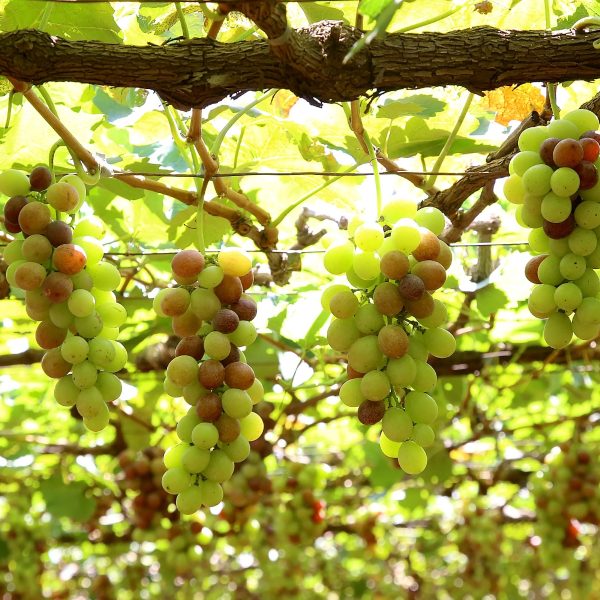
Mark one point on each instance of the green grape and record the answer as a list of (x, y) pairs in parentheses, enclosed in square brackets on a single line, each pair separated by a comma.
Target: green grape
[(251, 427), (101, 352), (425, 378), (406, 235), (204, 435), (536, 180), (112, 314), (388, 447), (195, 460), (564, 182), (514, 189), (592, 194), (358, 282), (437, 318), (90, 403), (99, 421), (190, 500), (572, 266), (432, 218), (366, 265), (338, 257), (417, 348), (176, 480), (582, 241), (587, 214), (244, 335), (549, 271), (89, 226), (412, 458), (256, 391), (401, 371), (563, 129), (423, 435), (60, 315), (84, 374), (237, 403), (110, 386), (74, 349), (364, 355), (421, 407), (90, 326), (14, 183), (531, 212), (185, 427), (66, 392), (397, 425), (583, 330), (558, 247), (367, 237), (541, 301), (330, 291), (375, 385), (183, 370), (439, 342), (174, 455), (220, 467), (558, 330), (350, 393), (103, 297), (78, 184), (13, 251), (353, 224), (204, 303), (120, 359), (93, 249), (538, 240), (555, 208), (532, 138), (593, 259), (81, 303), (343, 305), (342, 333), (12, 269), (589, 311), (568, 296), (211, 276), (212, 493), (583, 119), (368, 319), (193, 392), (588, 283), (397, 209), (521, 161), (238, 450), (106, 277)]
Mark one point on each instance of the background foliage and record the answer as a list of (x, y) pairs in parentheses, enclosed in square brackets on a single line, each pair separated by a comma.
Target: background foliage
[(469, 526)]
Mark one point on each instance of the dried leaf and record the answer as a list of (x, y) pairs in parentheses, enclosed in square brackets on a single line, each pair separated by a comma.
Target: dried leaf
[(513, 103), (284, 101)]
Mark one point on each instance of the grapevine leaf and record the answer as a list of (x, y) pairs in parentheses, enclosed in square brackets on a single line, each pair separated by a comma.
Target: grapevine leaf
[(67, 499)]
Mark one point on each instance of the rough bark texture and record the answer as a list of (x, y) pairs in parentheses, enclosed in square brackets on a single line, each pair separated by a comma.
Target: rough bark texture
[(201, 72)]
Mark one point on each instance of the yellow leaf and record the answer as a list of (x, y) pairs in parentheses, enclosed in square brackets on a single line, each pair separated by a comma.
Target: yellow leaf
[(513, 104), (284, 100)]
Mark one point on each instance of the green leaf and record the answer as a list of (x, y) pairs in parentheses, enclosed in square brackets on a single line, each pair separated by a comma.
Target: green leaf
[(490, 299), (381, 474), (4, 549), (317, 12), (420, 104), (372, 8), (67, 499)]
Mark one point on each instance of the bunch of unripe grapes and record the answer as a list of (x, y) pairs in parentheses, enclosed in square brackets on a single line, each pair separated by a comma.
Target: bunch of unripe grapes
[(213, 316), (554, 182), (567, 494), (68, 288), (142, 473), (388, 322), (247, 486)]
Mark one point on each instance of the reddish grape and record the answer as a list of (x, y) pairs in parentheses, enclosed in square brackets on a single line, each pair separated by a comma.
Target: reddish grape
[(233, 356), (394, 264), (49, 336), (211, 374), (370, 412), (239, 375), (245, 308), (187, 263), (40, 178), (228, 428), (69, 259), (34, 217), (209, 408), (57, 287), (247, 280), (591, 149), (192, 345), (225, 321), (411, 287), (429, 246), (422, 307), (13, 207), (59, 233), (568, 153), (229, 290), (531, 268), (547, 150), (594, 135), (588, 175), (556, 231)]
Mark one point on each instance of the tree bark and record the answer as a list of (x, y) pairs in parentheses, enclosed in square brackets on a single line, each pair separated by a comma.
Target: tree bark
[(197, 73)]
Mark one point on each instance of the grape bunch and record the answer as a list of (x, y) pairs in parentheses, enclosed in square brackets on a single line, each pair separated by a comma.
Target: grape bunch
[(387, 322), (142, 473), (68, 288), (554, 182), (213, 316)]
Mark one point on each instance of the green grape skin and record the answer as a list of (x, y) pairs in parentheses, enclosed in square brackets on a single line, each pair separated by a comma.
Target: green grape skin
[(564, 182), (342, 333), (212, 493), (101, 352), (401, 371), (66, 392), (583, 119), (251, 427), (244, 335), (90, 326), (99, 421), (237, 403), (109, 385), (112, 314), (521, 161), (204, 435), (204, 303), (439, 342), (558, 330), (572, 266), (514, 189), (194, 459), (568, 297), (388, 447), (182, 370), (120, 359), (587, 214), (358, 282), (13, 251), (563, 129), (537, 180), (531, 212), (106, 276), (189, 500), (174, 455), (582, 241), (397, 425), (14, 183), (366, 265), (583, 330), (211, 276), (421, 407), (432, 218), (541, 301), (558, 247), (412, 458), (90, 403), (549, 271), (185, 428), (176, 480), (368, 319), (417, 348), (532, 138), (589, 311), (330, 292), (397, 209), (375, 385), (89, 227), (220, 467), (588, 283), (364, 354), (93, 249), (79, 185), (81, 303), (338, 257), (350, 393), (538, 240), (84, 374), (367, 237), (555, 208), (60, 315), (75, 349), (238, 450), (406, 235), (256, 391), (437, 318), (344, 304), (425, 378), (423, 435)]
